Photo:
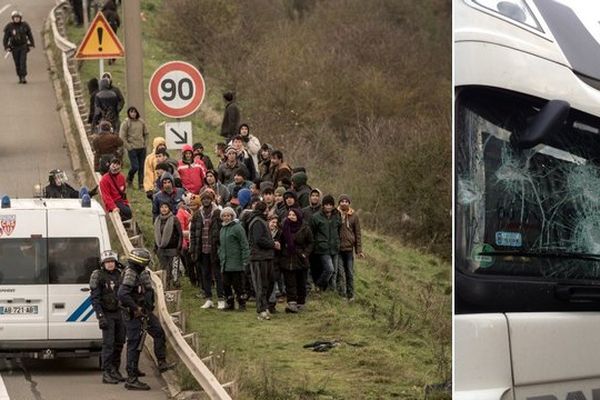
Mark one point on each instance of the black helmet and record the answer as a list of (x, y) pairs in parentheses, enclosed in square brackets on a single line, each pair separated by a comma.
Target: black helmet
[(139, 257), (57, 175)]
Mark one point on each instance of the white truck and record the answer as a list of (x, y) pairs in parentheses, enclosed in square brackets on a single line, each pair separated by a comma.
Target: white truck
[(48, 249), (527, 199)]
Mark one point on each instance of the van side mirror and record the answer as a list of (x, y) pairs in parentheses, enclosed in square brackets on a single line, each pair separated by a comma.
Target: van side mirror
[(546, 123)]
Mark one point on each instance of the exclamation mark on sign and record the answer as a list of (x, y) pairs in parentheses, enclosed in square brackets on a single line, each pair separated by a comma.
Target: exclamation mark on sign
[(100, 31)]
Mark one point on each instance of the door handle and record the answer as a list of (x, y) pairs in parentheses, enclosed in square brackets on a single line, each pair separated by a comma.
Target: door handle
[(578, 294), (59, 306), (85, 289)]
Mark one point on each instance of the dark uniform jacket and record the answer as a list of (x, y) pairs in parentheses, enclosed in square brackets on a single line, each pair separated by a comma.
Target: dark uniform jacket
[(136, 290), (105, 285), (17, 35)]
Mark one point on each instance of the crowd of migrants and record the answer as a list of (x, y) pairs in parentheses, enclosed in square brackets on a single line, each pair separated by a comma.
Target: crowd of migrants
[(245, 225)]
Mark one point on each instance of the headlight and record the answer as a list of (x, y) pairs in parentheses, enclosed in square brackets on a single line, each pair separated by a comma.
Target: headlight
[(515, 10)]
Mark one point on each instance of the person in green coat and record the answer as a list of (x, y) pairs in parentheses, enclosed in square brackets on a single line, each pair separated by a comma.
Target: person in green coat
[(325, 225), (234, 254)]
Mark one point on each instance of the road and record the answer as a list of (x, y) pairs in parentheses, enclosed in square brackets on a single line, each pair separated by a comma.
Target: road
[(31, 144)]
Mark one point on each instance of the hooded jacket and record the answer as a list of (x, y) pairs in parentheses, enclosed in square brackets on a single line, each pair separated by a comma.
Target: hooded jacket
[(161, 196), (234, 251), (302, 190), (191, 173), (121, 102), (112, 188), (150, 164), (106, 105), (231, 120)]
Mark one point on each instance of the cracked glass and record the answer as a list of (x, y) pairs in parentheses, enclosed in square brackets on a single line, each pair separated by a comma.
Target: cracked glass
[(527, 212)]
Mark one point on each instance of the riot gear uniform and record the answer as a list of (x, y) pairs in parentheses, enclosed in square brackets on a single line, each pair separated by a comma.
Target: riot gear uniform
[(104, 284), (137, 297)]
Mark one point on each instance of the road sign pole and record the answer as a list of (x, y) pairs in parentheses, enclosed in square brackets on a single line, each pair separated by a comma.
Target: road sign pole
[(86, 15), (101, 67), (134, 71)]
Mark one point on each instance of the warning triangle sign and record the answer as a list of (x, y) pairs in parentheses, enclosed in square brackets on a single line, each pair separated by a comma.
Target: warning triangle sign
[(100, 41)]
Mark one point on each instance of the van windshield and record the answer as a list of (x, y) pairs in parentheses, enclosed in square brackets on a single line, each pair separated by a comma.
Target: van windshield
[(23, 261), (525, 212)]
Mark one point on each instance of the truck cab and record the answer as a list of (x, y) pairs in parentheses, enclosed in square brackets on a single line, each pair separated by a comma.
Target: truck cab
[(48, 250), (527, 199)]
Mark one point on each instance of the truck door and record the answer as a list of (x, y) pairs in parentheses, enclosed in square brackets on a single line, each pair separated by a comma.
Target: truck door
[(73, 253), (23, 275)]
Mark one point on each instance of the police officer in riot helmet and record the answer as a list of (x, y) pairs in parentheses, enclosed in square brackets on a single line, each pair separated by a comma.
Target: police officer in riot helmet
[(104, 284), (58, 188), (137, 298), (18, 39)]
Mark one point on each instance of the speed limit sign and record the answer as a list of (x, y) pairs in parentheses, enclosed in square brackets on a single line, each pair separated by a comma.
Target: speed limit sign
[(176, 89)]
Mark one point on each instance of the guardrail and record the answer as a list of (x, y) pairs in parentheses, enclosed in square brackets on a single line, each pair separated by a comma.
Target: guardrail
[(185, 353)]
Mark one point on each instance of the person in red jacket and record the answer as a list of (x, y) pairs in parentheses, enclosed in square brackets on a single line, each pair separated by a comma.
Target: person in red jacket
[(191, 170), (112, 188)]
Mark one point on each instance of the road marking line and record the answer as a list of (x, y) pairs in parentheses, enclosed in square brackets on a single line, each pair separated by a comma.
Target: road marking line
[(3, 392), (4, 8)]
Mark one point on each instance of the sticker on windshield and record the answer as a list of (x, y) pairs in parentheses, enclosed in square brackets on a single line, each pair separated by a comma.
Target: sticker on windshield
[(481, 260), (509, 239)]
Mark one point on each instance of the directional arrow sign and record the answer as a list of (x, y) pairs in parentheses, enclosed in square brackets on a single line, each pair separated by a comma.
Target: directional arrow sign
[(178, 133)]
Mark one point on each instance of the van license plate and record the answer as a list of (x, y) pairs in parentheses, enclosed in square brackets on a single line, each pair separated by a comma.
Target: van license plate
[(18, 310)]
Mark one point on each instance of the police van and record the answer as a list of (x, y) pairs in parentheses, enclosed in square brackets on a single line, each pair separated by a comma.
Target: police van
[(48, 250)]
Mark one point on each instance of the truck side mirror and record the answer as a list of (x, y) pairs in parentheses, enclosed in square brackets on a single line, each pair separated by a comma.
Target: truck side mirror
[(546, 123)]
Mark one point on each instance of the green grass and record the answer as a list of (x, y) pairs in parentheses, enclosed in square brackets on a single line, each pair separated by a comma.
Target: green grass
[(401, 319)]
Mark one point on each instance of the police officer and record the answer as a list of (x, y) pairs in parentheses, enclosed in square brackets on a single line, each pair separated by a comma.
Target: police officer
[(18, 39), (104, 284), (137, 297), (58, 188)]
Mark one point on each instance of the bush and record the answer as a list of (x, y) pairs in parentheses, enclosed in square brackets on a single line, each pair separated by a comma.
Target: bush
[(358, 92)]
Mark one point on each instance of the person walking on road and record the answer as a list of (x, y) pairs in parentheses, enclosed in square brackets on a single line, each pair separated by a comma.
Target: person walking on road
[(18, 39), (104, 285), (135, 135), (136, 295)]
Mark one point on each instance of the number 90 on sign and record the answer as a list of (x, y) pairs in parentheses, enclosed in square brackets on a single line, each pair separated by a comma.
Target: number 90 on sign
[(177, 89)]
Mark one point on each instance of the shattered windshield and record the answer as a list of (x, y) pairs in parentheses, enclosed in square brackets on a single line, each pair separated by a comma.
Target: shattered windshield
[(527, 212)]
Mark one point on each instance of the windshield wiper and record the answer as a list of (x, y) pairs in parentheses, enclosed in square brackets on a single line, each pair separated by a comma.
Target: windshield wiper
[(543, 254)]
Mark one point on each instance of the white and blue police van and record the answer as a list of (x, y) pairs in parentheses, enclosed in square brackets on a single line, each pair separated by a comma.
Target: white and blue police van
[(48, 250)]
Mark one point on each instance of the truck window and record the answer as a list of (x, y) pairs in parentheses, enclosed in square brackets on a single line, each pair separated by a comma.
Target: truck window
[(531, 213), (23, 261), (72, 260)]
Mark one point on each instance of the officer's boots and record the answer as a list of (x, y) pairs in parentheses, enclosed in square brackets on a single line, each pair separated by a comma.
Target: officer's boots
[(107, 377), (117, 375), (133, 383), (164, 366)]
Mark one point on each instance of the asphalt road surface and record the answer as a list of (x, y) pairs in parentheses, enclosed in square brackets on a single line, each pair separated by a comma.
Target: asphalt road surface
[(31, 144)]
